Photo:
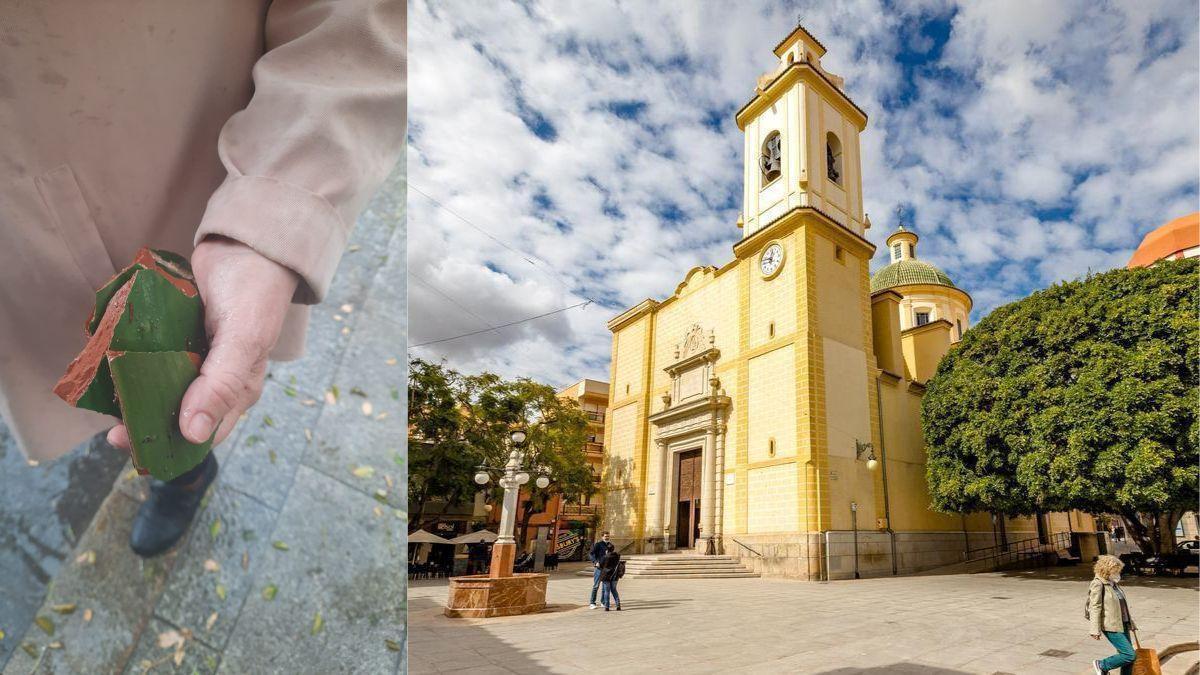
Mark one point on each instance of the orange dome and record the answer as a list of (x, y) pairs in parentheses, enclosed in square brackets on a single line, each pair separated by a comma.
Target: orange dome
[(1164, 242)]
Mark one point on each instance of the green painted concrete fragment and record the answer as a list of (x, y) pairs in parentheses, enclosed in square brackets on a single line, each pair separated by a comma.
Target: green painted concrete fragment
[(150, 387), (167, 262)]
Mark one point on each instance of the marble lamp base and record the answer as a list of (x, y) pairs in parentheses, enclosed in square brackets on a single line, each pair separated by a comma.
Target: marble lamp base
[(479, 596)]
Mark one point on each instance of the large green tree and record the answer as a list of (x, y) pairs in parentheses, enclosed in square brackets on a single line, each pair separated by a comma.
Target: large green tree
[(458, 422), (1080, 396)]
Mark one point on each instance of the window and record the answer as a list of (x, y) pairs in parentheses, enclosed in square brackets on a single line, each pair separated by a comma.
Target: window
[(922, 318), (839, 254), (896, 252), (833, 158), (771, 330), (958, 325), (771, 448), (770, 162)]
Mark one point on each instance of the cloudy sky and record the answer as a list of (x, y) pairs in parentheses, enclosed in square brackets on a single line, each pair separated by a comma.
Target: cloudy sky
[(560, 152)]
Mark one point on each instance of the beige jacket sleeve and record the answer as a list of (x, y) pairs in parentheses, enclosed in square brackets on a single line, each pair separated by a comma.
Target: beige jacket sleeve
[(325, 125), (1096, 594)]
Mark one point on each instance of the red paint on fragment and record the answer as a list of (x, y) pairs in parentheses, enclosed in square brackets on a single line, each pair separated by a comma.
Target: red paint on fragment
[(82, 370)]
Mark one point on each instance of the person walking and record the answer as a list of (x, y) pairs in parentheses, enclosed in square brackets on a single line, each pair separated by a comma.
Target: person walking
[(1108, 612), (596, 556), (611, 570)]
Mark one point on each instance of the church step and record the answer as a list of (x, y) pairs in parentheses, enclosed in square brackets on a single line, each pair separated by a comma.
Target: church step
[(693, 575)]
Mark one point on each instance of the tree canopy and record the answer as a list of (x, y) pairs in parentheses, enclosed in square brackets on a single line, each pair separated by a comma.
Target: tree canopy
[(457, 422), (1080, 396)]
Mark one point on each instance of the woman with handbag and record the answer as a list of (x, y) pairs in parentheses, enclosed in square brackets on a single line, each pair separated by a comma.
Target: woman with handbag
[(1108, 612)]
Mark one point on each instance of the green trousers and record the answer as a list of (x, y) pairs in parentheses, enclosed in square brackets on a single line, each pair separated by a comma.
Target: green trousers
[(1124, 657)]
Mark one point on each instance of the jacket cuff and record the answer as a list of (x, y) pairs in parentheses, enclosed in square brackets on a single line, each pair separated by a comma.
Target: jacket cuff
[(286, 223)]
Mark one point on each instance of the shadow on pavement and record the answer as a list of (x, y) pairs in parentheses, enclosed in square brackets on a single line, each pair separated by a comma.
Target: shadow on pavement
[(896, 668), (1084, 573), (463, 644), (652, 604)]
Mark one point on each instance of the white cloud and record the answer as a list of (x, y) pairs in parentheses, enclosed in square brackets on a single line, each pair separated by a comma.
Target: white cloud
[(1043, 141)]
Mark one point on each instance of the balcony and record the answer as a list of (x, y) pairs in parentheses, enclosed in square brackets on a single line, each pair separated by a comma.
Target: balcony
[(587, 510), (594, 416), (593, 448)]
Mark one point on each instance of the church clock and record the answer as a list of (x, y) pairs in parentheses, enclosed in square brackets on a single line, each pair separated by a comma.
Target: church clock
[(771, 260)]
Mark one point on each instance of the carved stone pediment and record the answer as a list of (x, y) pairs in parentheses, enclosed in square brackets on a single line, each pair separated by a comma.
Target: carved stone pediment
[(695, 397)]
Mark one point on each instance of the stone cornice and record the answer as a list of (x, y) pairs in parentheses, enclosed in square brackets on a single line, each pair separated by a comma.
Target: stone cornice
[(792, 218), (711, 404), (810, 75), (632, 314)]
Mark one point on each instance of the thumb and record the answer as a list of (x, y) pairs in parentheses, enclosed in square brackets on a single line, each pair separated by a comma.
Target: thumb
[(230, 382)]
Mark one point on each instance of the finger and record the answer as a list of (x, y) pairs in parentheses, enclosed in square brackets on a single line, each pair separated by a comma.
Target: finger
[(118, 437), (230, 381)]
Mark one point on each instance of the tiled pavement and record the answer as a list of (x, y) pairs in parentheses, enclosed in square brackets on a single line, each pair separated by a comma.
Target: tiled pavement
[(947, 625), (296, 562)]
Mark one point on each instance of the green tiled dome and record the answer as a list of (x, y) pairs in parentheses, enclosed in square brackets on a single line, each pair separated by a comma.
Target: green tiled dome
[(909, 271)]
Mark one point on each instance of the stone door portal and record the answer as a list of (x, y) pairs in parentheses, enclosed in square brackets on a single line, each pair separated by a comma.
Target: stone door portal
[(689, 469)]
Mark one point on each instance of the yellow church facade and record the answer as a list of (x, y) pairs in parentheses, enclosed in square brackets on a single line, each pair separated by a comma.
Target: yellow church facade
[(770, 407)]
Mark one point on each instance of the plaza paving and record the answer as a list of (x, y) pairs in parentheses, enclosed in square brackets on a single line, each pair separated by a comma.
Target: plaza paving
[(306, 518), (981, 623)]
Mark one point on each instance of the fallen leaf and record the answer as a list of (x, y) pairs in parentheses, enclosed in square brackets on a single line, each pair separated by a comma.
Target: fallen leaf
[(388, 479), (330, 398), (31, 462), (346, 330), (221, 592), (131, 474), (272, 456), (377, 511), (358, 391), (169, 639), (391, 361), (337, 393), (55, 645), (245, 560), (212, 621), (380, 416), (211, 565), (392, 645), (308, 401), (1, 634), (178, 658), (363, 471), (45, 624), (395, 394), (30, 649), (381, 496), (252, 439), (87, 615), (353, 248), (282, 546), (68, 608), (86, 558), (308, 434), (289, 391), (337, 317), (270, 591), (318, 623), (347, 308), (215, 528), (367, 409), (268, 421)]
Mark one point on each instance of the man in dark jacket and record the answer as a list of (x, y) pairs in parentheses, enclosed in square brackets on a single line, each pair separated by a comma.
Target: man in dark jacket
[(596, 556)]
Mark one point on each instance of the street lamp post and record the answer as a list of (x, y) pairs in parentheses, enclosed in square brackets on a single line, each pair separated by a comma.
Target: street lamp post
[(512, 477)]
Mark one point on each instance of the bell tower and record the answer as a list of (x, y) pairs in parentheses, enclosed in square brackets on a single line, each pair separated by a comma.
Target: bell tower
[(801, 144)]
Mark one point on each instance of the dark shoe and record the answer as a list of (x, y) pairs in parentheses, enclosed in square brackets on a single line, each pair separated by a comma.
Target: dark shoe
[(618, 608), (170, 508), (606, 609)]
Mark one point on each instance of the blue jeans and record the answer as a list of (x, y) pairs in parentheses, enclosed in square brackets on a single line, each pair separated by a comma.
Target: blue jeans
[(1124, 657), (595, 584), (610, 587)]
